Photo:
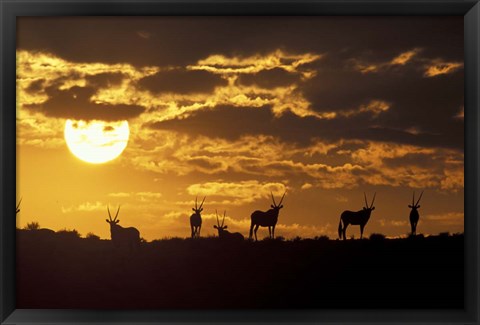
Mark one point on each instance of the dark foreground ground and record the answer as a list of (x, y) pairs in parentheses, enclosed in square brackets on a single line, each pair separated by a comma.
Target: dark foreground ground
[(66, 272)]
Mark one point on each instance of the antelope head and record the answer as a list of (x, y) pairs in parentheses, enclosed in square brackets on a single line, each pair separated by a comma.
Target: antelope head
[(114, 221), (370, 207), (198, 209), (276, 206), (414, 205), (219, 226)]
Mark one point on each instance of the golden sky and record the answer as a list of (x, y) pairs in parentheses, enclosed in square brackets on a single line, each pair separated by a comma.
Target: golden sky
[(235, 108)]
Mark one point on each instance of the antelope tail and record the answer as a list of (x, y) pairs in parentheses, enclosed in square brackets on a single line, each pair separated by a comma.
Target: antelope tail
[(340, 229)]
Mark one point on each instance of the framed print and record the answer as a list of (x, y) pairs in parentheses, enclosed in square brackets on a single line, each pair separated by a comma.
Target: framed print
[(239, 162)]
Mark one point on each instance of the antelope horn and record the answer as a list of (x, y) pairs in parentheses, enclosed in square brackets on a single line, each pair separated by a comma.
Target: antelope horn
[(196, 208), (365, 196), (413, 198), (275, 204), (373, 200), (282, 198), (109, 215), (223, 220), (116, 215), (18, 205), (419, 198), (201, 205), (218, 221)]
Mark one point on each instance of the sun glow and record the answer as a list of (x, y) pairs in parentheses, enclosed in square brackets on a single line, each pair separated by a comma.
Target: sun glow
[(96, 142)]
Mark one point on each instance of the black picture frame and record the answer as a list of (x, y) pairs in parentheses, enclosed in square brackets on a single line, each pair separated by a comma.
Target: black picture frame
[(11, 9)]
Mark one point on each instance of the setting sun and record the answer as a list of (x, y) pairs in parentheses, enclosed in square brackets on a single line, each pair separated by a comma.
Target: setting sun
[(96, 142)]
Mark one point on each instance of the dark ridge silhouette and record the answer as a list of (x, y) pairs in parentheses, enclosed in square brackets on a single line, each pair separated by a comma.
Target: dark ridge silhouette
[(225, 234), (196, 219), (65, 272), (123, 238), (414, 216), (359, 218), (266, 218)]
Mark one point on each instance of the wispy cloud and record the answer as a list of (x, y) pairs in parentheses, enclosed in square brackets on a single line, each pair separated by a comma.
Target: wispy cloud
[(239, 192), (144, 34), (405, 57), (446, 219), (401, 59), (375, 107), (85, 207), (439, 67), (253, 64)]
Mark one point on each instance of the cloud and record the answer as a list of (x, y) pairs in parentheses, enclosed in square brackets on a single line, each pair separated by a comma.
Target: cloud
[(278, 59), (75, 103), (142, 196), (144, 34), (34, 65), (431, 67), (439, 67), (374, 67), (105, 79), (446, 219), (393, 223), (182, 81), (453, 179), (375, 107), (306, 186), (85, 207), (272, 78), (33, 129), (119, 194), (405, 57), (240, 192), (58, 88)]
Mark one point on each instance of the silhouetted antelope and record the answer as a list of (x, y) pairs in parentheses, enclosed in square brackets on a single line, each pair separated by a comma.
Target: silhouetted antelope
[(196, 219), (355, 218), (128, 237), (18, 207), (266, 218), (225, 234), (414, 216)]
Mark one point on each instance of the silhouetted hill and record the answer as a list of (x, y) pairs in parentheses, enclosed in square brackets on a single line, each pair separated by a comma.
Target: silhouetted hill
[(64, 271)]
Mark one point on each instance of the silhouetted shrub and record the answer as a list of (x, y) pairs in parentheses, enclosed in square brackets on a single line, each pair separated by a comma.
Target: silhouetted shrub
[(418, 236), (92, 236), (444, 234), (32, 226), (280, 238), (68, 234), (375, 236), (322, 238)]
